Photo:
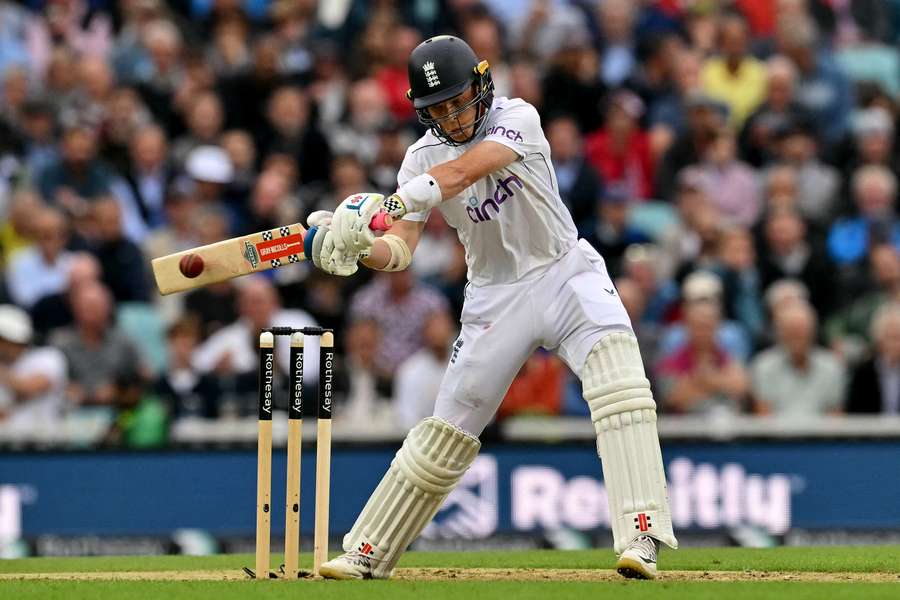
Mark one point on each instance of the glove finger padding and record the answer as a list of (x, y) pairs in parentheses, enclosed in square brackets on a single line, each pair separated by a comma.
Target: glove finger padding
[(351, 222), (319, 218)]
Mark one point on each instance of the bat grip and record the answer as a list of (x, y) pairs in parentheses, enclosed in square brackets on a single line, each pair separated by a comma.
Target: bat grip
[(382, 221)]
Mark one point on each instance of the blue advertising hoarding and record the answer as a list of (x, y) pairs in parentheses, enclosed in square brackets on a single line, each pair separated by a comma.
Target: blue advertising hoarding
[(510, 489)]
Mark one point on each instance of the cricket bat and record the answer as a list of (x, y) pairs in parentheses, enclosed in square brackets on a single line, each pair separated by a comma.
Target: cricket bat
[(261, 251)]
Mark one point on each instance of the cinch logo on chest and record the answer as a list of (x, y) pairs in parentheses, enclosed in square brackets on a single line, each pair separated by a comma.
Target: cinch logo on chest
[(510, 134), (479, 212)]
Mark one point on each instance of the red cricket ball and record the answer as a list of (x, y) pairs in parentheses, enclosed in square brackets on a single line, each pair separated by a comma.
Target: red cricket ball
[(190, 265)]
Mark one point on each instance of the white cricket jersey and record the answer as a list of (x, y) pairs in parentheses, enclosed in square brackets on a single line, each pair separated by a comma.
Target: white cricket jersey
[(512, 223)]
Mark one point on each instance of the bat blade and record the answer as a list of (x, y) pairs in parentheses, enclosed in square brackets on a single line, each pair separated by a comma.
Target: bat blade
[(231, 258)]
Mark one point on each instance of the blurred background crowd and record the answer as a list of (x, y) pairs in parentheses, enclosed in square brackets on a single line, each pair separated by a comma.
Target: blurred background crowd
[(734, 161)]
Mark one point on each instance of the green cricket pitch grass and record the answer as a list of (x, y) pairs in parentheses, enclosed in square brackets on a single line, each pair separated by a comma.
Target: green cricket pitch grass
[(869, 572)]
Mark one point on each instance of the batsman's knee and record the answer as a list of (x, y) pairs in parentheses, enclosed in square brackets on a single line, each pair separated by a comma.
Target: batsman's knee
[(613, 378)]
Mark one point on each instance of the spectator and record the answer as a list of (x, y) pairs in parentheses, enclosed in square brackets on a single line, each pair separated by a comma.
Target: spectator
[(41, 269), (98, 355), (483, 34), (704, 286), (668, 113), (126, 115), (141, 190), (37, 127), (537, 388), (822, 88), (230, 47), (241, 150), (78, 176), (785, 292), (392, 75), (873, 142), (205, 118), (539, 30), (401, 306), (848, 330), (570, 85), (271, 204), (17, 229), (733, 185), (211, 170), (55, 311), (705, 119), (875, 384), (817, 183), (796, 378), (247, 95), (787, 252), (695, 233), (735, 77), (736, 266), (620, 152), (419, 376), (124, 268), (874, 192), (178, 233), (579, 183), (186, 392), (616, 20), (613, 234), (32, 378), (661, 296), (780, 107), (367, 113), (362, 381), (234, 348), (71, 25), (88, 104), (161, 70), (291, 132), (647, 332), (141, 419), (700, 377), (781, 189), (655, 78)]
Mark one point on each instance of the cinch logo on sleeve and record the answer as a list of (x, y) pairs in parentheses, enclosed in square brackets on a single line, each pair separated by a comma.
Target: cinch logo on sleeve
[(478, 211), (510, 134)]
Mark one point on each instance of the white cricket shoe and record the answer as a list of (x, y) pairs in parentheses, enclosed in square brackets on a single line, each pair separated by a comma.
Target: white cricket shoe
[(350, 565), (638, 561)]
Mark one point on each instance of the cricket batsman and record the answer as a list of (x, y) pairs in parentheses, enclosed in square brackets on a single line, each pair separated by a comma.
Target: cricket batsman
[(485, 164)]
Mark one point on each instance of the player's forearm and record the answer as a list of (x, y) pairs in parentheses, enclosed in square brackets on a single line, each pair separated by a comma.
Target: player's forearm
[(393, 251), (379, 256), (452, 177)]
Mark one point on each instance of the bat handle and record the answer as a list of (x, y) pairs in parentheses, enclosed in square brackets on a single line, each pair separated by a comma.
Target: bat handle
[(382, 221)]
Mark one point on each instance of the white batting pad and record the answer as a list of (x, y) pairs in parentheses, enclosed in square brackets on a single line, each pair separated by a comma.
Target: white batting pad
[(425, 470), (624, 416)]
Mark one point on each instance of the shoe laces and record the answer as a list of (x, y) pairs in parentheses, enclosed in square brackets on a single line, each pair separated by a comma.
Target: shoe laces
[(646, 546)]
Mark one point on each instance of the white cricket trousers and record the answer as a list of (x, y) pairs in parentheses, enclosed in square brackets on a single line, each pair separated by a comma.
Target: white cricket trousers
[(566, 308)]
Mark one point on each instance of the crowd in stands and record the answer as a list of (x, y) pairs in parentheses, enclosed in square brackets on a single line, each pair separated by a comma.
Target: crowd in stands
[(736, 163)]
